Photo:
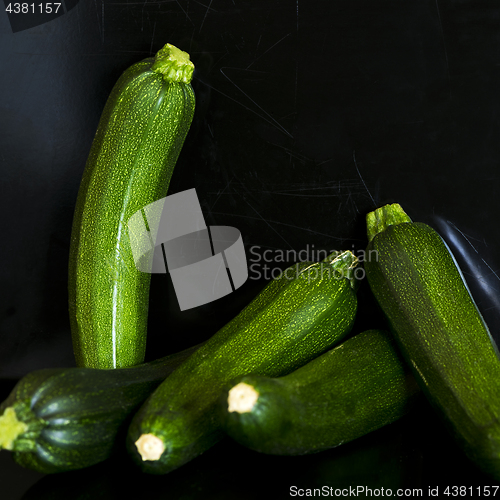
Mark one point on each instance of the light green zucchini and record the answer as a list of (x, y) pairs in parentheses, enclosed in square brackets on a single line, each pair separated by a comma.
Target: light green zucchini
[(439, 328), (140, 135)]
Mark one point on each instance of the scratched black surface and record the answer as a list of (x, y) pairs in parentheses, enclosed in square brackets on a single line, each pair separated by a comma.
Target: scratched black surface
[(309, 114)]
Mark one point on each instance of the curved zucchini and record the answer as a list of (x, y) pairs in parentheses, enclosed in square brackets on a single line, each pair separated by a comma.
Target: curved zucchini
[(347, 392), (137, 143), (295, 318), (442, 335), (62, 419)]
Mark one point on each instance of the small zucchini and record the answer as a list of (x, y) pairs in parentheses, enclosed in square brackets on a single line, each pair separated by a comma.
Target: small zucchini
[(62, 419), (347, 392), (305, 311), (439, 328), (140, 135)]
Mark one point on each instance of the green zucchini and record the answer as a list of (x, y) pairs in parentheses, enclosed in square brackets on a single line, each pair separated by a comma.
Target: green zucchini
[(442, 335), (297, 316), (347, 392), (62, 419), (140, 135)]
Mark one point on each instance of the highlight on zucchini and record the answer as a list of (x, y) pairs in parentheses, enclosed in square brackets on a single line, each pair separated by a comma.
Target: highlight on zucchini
[(351, 390), (299, 315), (63, 419), (439, 328), (138, 140)]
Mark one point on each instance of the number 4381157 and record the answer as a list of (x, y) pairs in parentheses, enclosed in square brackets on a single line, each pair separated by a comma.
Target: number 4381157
[(474, 491), (33, 8)]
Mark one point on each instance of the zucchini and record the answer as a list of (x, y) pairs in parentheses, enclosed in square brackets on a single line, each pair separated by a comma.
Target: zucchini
[(140, 135), (310, 307), (439, 328), (355, 388), (62, 419)]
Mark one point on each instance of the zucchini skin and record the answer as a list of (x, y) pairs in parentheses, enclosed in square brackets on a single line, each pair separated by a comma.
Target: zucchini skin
[(73, 415), (355, 388), (290, 322), (138, 140), (440, 330)]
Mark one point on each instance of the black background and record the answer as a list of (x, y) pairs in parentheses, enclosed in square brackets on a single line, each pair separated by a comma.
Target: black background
[(309, 115)]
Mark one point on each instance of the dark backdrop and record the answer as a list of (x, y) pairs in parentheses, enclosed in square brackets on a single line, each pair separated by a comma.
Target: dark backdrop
[(309, 115)]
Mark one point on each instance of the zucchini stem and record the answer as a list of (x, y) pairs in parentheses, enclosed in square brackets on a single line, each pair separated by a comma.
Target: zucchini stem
[(381, 218), (150, 447), (173, 64), (10, 428), (342, 265), (346, 263), (242, 398), (339, 265)]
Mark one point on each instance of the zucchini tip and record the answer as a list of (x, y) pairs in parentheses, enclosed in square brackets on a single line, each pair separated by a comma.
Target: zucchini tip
[(381, 218)]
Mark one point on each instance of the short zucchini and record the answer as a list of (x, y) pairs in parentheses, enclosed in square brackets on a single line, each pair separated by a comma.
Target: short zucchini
[(140, 135), (305, 311), (62, 419), (353, 389), (440, 330)]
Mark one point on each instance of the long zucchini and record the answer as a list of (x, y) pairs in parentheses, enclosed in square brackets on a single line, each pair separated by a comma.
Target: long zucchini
[(137, 143), (62, 419), (442, 334), (295, 318), (353, 389)]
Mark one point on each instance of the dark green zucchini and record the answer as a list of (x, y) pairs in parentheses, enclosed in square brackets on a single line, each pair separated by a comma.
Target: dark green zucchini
[(440, 330), (140, 135), (62, 419), (295, 318), (353, 389)]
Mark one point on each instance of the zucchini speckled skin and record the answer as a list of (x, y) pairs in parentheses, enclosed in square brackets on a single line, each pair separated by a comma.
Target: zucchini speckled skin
[(62, 419), (353, 389), (138, 140), (440, 330), (295, 318)]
